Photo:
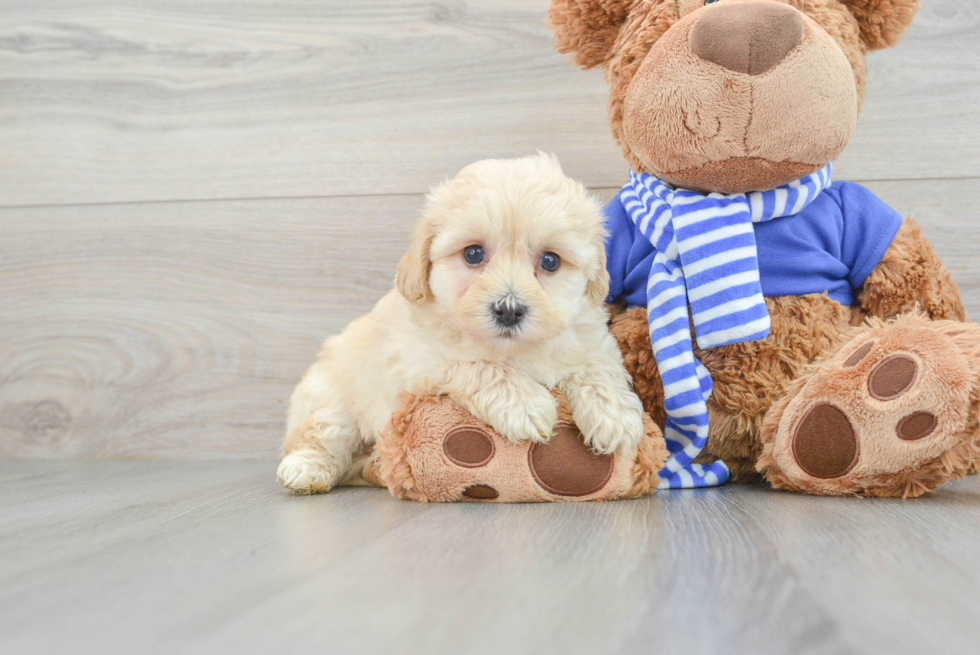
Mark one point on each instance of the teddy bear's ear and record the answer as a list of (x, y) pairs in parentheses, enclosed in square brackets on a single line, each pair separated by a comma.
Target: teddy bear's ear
[(587, 28), (882, 21)]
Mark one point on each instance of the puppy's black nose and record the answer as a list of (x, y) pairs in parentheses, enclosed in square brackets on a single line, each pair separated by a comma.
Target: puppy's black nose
[(507, 312)]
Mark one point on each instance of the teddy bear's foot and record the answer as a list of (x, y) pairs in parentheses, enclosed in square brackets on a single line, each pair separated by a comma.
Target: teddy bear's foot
[(892, 413), (435, 451)]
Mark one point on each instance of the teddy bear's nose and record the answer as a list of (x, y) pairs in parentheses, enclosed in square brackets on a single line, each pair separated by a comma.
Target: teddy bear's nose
[(747, 37)]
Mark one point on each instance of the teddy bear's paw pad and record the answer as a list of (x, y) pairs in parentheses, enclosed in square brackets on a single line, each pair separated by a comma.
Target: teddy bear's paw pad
[(468, 447), (825, 445), (892, 377), (480, 492), (882, 409), (565, 466)]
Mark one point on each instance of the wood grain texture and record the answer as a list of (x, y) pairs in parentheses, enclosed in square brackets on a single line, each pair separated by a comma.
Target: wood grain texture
[(916, 554), (178, 330), (160, 100), (201, 557)]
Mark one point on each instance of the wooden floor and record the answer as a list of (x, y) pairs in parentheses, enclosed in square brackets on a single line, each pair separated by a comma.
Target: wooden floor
[(195, 557)]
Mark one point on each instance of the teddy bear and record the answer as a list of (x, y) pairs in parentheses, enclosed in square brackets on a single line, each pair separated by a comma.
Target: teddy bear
[(862, 377), (777, 324)]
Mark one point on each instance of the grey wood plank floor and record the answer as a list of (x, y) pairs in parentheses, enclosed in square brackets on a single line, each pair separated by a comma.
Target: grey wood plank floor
[(212, 557), (126, 100)]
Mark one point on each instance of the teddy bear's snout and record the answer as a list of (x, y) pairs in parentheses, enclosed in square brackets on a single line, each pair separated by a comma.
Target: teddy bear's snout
[(750, 37)]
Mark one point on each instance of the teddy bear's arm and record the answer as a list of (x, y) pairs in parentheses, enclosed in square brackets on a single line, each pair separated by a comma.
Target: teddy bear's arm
[(911, 275)]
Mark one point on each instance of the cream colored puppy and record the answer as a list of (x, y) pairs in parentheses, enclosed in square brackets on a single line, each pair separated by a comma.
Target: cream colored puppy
[(499, 298)]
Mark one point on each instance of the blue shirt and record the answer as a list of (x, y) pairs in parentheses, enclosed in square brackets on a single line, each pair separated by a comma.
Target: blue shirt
[(831, 246)]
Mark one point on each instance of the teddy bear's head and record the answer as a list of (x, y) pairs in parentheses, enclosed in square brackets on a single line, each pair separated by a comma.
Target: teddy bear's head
[(730, 95)]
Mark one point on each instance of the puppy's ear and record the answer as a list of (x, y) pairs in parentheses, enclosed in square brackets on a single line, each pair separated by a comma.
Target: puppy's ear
[(587, 28), (598, 286), (882, 22), (412, 280)]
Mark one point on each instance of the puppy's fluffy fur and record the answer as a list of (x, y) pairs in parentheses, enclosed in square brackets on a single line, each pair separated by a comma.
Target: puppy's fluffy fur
[(438, 332)]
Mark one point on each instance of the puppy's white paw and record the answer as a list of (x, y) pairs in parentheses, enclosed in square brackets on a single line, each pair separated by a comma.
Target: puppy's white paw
[(530, 417), (609, 422), (307, 472)]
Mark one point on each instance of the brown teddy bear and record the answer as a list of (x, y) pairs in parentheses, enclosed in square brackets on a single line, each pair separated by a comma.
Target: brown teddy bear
[(775, 323), (866, 382)]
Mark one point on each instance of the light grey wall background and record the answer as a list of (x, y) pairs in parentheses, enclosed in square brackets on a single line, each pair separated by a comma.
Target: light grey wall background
[(193, 193)]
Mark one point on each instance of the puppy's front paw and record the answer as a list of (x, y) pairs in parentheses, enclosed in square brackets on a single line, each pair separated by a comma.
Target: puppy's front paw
[(530, 417), (609, 421), (307, 472)]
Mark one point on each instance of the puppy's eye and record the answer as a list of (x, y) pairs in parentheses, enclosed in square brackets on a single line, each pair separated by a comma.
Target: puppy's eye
[(474, 255), (710, 2), (550, 262)]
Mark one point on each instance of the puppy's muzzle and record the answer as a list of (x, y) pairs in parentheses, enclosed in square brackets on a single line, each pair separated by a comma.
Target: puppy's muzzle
[(508, 312)]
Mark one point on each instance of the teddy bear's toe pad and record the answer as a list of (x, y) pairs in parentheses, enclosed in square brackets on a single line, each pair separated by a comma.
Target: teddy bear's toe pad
[(825, 445), (468, 447), (916, 426), (892, 377), (481, 492), (565, 466), (889, 403)]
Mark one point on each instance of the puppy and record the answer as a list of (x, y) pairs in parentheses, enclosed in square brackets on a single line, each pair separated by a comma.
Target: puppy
[(499, 298)]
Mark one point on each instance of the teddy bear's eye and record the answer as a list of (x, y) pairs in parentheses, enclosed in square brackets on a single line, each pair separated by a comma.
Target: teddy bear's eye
[(473, 255), (710, 2)]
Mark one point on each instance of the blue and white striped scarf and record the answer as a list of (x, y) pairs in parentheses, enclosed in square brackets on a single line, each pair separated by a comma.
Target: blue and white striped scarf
[(706, 256)]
